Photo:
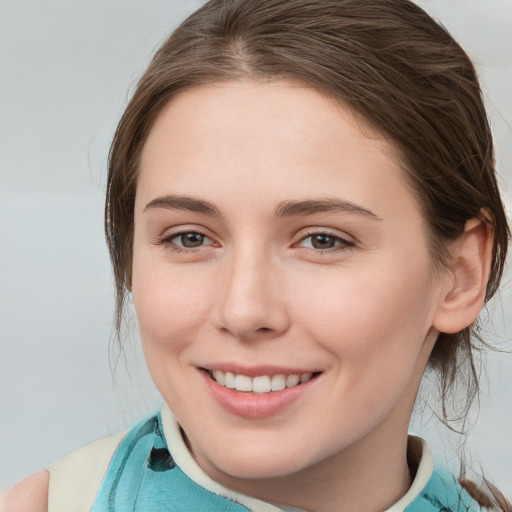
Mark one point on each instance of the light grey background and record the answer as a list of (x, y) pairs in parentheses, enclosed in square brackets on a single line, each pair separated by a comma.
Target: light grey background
[(66, 68)]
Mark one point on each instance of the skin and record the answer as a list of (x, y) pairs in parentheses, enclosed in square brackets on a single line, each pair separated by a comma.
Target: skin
[(29, 495), (256, 292), (259, 289)]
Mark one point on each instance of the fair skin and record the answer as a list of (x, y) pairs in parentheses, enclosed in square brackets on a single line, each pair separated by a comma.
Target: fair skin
[(254, 297), (29, 495), (275, 236)]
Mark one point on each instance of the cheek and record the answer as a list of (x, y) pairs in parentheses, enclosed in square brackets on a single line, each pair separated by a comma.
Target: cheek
[(170, 315), (372, 322), (169, 308), (375, 338)]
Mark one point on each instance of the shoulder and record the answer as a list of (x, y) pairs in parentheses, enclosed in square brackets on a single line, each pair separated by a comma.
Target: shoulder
[(90, 458), (29, 495), (75, 479), (70, 482)]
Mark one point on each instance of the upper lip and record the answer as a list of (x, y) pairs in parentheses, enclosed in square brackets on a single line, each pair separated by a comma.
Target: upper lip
[(258, 370)]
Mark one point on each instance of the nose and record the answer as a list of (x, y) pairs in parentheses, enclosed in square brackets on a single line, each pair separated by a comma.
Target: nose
[(251, 301)]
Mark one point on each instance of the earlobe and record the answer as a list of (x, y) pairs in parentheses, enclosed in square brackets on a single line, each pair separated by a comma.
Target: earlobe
[(464, 296)]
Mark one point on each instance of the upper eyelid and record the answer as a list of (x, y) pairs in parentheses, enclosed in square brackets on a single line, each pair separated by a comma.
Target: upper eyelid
[(166, 238), (324, 233), (180, 229), (171, 236), (344, 243), (308, 232)]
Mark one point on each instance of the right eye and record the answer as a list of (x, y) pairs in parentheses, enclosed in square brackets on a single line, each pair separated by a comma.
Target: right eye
[(185, 241), (190, 240)]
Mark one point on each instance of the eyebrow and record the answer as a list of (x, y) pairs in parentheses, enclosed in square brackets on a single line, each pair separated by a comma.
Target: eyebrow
[(283, 209), (191, 204), (312, 206)]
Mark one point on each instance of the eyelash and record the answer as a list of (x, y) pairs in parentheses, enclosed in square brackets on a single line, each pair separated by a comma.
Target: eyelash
[(342, 243)]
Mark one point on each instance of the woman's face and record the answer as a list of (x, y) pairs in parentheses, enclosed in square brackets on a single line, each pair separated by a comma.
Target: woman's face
[(277, 241)]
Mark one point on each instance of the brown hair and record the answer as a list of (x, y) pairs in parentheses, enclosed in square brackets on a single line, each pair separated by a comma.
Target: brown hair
[(390, 63)]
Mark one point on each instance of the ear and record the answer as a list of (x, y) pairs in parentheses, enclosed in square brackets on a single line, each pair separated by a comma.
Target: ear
[(464, 295)]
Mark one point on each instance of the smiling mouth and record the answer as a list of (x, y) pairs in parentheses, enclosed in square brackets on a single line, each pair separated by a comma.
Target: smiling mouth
[(260, 384)]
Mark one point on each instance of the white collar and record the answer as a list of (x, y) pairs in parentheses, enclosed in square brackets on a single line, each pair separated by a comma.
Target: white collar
[(189, 466)]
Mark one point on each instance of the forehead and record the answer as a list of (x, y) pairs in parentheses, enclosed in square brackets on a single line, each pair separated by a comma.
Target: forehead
[(287, 105), (256, 137)]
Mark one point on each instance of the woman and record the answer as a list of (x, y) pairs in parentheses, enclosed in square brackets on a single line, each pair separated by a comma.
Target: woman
[(261, 183)]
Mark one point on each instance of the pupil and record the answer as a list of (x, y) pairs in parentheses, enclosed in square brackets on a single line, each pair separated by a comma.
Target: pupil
[(323, 242), (192, 240)]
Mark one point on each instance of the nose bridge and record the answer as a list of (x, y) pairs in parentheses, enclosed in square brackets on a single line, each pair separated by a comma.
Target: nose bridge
[(251, 302)]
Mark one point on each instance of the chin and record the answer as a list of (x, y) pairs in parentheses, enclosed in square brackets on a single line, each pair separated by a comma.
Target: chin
[(257, 463)]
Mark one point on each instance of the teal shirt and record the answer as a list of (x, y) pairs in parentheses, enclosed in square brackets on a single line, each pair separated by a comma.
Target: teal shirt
[(143, 477)]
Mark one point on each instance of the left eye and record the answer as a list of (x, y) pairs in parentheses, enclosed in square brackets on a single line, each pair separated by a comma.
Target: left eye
[(323, 241)]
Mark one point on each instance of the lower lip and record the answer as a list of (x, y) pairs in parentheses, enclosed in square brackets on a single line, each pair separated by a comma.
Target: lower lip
[(253, 406)]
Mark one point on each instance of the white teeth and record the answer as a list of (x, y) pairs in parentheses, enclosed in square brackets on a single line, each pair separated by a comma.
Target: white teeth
[(305, 377), (278, 382), (292, 380), (219, 377), (243, 383), (229, 380), (260, 384)]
